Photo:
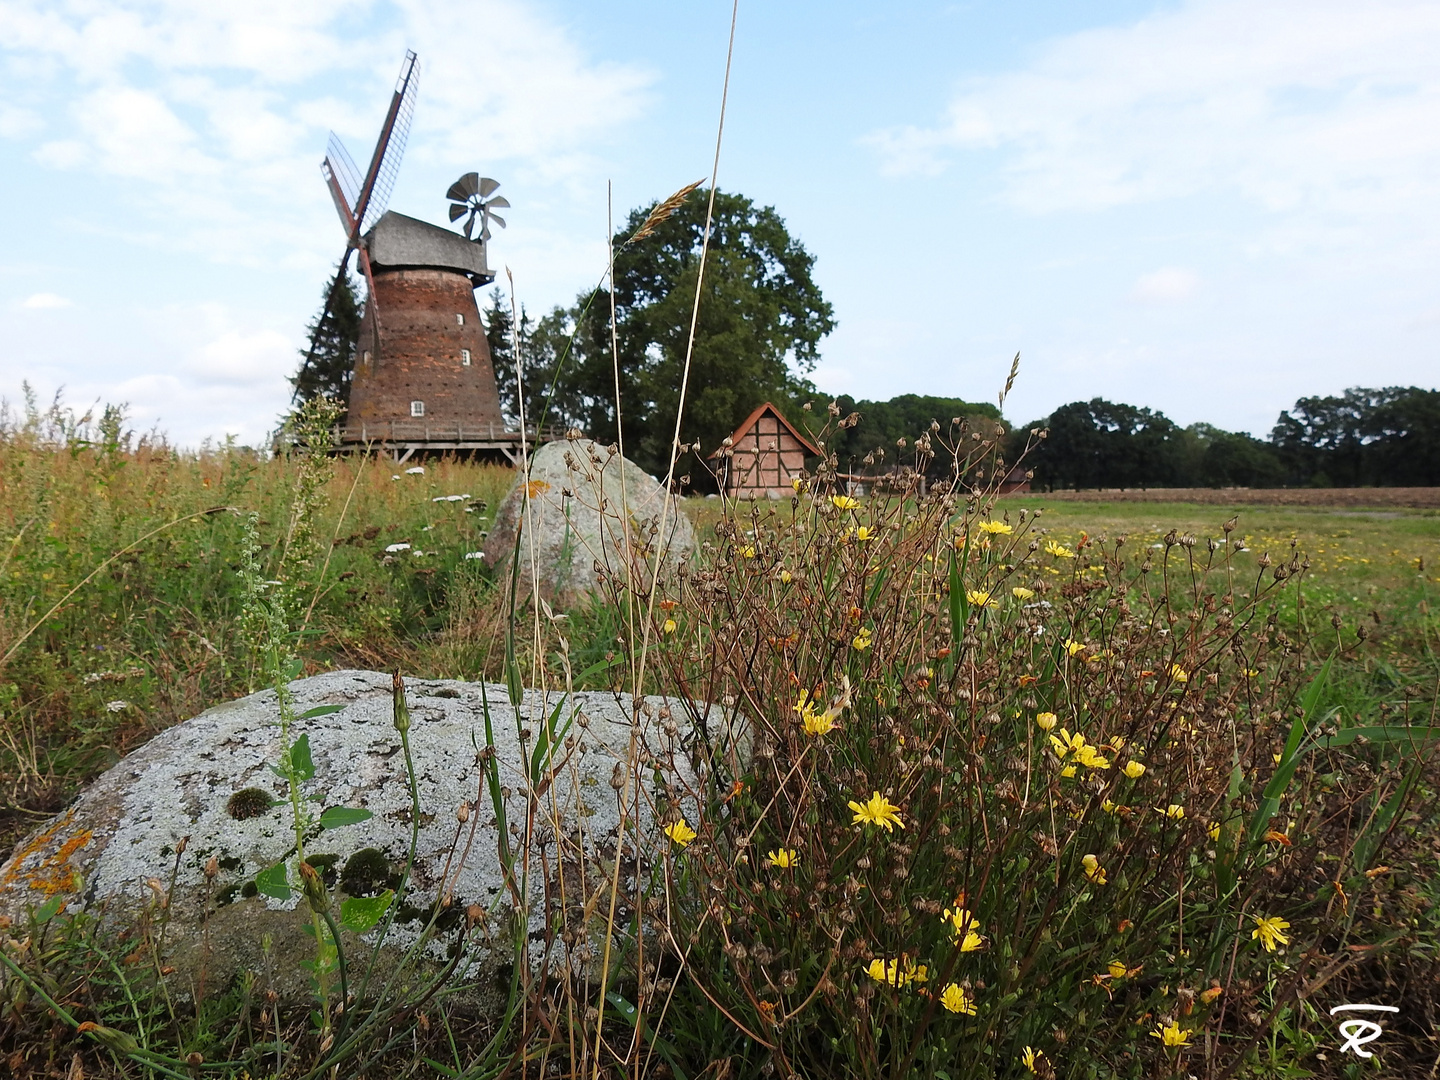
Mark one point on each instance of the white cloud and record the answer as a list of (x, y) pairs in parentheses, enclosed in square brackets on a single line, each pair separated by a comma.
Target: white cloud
[(1325, 104), (16, 123), (42, 300), (264, 357), (1165, 286)]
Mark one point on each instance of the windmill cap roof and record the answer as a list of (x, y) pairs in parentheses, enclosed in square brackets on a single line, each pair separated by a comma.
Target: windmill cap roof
[(398, 242)]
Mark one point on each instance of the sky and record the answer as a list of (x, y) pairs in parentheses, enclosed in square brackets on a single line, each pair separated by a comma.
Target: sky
[(1210, 208)]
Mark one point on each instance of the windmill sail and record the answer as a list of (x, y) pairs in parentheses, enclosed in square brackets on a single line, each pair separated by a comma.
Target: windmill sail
[(360, 202)]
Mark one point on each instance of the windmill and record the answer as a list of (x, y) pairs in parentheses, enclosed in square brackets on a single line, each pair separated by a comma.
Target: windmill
[(471, 194), (361, 200)]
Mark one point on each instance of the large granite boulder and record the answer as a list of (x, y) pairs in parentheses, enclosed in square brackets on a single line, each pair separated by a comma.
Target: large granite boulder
[(208, 782), (589, 508)]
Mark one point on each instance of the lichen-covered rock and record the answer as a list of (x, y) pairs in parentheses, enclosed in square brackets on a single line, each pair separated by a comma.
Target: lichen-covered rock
[(208, 782), (588, 507)]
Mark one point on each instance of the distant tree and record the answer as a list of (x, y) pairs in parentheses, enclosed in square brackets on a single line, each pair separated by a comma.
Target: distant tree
[(332, 364), (1388, 436), (883, 424), (1218, 458), (758, 332), (1099, 443)]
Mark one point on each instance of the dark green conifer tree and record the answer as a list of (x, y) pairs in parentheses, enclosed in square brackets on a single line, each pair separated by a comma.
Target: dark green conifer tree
[(334, 340)]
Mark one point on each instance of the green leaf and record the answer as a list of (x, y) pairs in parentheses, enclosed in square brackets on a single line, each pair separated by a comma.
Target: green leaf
[(294, 669), (300, 763), (320, 710), (48, 910), (1289, 757), (360, 913), (959, 605), (337, 817), (274, 882)]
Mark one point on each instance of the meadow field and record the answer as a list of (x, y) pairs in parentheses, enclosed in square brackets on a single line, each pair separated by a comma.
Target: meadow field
[(121, 613)]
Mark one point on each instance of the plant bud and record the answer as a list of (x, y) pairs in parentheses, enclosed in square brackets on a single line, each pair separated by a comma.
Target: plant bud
[(212, 868), (181, 845), (314, 889), (401, 711), (462, 813), (119, 1041)]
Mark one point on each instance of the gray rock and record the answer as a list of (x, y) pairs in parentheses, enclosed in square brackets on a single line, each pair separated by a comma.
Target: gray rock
[(580, 517), (209, 780)]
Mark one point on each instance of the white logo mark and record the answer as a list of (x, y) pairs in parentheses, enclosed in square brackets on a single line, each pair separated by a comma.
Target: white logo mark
[(1359, 1032)]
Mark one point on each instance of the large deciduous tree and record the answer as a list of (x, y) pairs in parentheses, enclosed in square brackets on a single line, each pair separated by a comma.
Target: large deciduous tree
[(757, 335)]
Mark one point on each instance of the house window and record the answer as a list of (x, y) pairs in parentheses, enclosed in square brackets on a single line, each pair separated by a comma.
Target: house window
[(459, 318), (417, 408), (464, 357)]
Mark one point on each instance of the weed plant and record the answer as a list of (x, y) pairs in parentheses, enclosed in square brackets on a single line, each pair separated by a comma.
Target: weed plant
[(1016, 806)]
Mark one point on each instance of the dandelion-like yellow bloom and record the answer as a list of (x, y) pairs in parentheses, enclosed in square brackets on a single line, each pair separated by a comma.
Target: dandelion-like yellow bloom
[(844, 502), (1068, 771), (748, 551), (784, 858), (964, 926), (862, 638), (669, 627), (1072, 647), (1134, 770), (1116, 968), (980, 598), (996, 528), (1171, 1036), (1093, 870), (863, 534), (1087, 756), (1059, 551), (892, 973), (1031, 1057), (786, 577), (1174, 812), (1022, 594), (1214, 831), (817, 723), (798, 483), (957, 1000), (1065, 743), (1179, 674), (680, 833), (876, 810), (1269, 932), (1109, 807)]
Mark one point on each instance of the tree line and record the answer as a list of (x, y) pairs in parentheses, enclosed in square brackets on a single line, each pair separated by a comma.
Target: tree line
[(757, 338), (1387, 437)]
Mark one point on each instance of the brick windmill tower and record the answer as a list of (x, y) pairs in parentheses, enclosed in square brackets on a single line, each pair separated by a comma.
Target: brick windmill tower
[(423, 378)]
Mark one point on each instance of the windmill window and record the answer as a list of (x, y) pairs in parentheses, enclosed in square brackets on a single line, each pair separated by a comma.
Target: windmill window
[(417, 408), (465, 357), (459, 318)]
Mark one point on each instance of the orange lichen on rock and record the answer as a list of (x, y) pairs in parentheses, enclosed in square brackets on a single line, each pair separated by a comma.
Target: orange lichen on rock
[(53, 874)]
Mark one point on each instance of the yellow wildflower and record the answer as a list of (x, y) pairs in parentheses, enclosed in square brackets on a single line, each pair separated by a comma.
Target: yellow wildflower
[(748, 551), (1268, 932), (1065, 743), (669, 627), (786, 577), (1179, 674), (1031, 1058), (1087, 756), (980, 598), (863, 534), (1134, 770), (1072, 647), (1046, 720), (1059, 551), (1214, 831), (681, 833), (1022, 594), (996, 528), (798, 483), (784, 858), (877, 810), (1207, 996), (1108, 806), (1116, 969), (862, 638), (1174, 811), (817, 724), (1171, 1036), (892, 973), (844, 502), (1093, 870), (1068, 771), (957, 1000)]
